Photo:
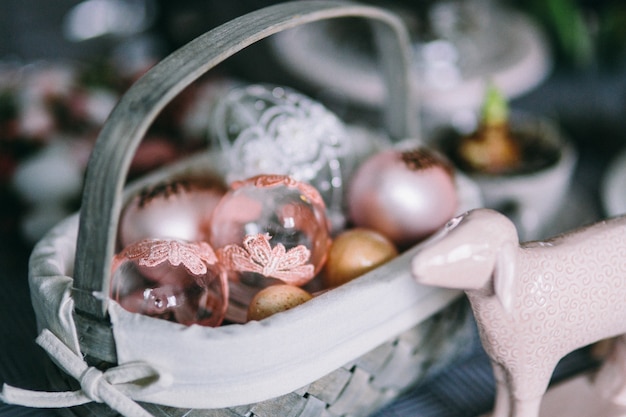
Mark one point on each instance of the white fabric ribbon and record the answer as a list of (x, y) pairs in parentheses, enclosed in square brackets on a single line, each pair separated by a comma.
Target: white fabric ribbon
[(113, 387)]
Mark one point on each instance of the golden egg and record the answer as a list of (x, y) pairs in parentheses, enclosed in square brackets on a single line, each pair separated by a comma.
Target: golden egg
[(355, 252)]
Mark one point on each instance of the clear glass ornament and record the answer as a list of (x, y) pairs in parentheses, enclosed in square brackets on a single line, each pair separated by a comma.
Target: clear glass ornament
[(274, 226), (171, 279), (264, 129)]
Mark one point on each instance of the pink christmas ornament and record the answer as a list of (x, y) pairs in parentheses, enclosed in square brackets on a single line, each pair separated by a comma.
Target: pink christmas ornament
[(405, 195), (179, 209), (274, 223), (171, 279)]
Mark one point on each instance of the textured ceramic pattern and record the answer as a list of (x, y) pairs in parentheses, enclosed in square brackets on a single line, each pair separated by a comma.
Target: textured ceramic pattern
[(533, 302)]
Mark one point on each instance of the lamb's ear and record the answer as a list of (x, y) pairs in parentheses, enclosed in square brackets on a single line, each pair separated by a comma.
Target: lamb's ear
[(504, 275)]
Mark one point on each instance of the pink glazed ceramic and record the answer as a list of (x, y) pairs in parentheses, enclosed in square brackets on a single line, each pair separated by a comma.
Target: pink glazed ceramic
[(534, 302)]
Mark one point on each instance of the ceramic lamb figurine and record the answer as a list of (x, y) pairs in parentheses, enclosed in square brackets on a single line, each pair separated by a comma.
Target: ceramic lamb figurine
[(533, 302)]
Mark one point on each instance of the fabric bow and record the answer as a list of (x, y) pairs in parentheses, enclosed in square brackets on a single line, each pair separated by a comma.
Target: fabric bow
[(113, 387)]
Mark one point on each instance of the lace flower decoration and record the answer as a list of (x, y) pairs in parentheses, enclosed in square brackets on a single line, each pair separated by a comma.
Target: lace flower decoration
[(257, 255), (151, 252)]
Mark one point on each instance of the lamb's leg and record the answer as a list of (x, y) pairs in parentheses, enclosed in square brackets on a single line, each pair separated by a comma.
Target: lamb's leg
[(528, 386), (502, 406), (610, 380), (506, 404), (526, 407)]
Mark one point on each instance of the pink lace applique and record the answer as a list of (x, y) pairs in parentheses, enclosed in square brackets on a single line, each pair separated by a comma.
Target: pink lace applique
[(194, 256), (258, 256), (273, 180)]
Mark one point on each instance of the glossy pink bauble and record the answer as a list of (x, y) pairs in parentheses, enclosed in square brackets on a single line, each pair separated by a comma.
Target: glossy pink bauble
[(274, 226), (174, 210), (405, 195), (171, 279)]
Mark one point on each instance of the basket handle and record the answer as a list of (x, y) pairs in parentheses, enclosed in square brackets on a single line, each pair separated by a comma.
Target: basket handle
[(137, 109)]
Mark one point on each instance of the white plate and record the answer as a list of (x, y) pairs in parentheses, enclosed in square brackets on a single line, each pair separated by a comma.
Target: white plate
[(312, 53)]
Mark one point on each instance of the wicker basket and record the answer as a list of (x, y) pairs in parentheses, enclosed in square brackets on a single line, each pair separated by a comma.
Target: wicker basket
[(344, 353)]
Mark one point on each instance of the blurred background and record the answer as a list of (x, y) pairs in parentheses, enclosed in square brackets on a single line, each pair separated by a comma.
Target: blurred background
[(64, 64), (562, 59)]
